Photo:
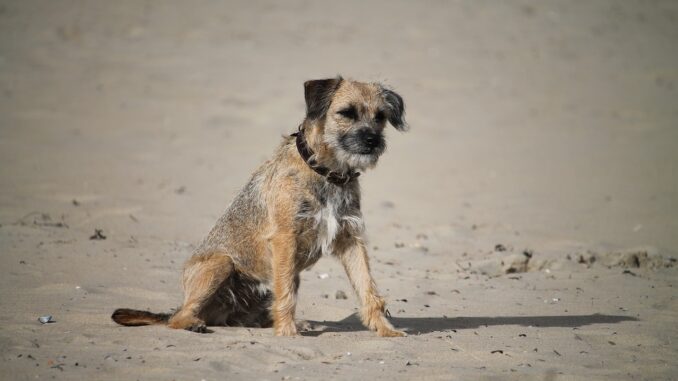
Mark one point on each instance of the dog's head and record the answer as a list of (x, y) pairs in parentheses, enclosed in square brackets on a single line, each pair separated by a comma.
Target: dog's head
[(348, 119)]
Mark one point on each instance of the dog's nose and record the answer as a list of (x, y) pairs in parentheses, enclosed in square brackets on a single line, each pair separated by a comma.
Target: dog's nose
[(369, 137)]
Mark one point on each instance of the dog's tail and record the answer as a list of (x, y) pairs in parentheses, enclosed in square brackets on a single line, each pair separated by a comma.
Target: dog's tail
[(133, 318)]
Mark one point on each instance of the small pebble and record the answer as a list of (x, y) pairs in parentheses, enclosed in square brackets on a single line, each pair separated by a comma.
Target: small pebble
[(98, 235)]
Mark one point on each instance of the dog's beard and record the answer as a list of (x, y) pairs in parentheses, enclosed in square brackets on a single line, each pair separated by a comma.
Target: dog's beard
[(349, 159)]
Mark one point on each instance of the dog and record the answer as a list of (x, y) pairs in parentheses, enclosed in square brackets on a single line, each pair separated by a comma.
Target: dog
[(300, 205)]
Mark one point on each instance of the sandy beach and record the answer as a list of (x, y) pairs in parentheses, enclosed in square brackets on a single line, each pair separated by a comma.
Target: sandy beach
[(525, 228)]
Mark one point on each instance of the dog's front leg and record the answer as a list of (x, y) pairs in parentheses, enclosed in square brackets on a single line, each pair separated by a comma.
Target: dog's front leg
[(283, 247), (355, 262)]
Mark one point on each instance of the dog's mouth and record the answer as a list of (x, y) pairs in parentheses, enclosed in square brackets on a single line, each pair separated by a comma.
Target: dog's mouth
[(363, 142)]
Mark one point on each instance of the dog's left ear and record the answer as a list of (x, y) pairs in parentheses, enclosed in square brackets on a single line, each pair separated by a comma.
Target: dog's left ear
[(318, 94), (396, 109)]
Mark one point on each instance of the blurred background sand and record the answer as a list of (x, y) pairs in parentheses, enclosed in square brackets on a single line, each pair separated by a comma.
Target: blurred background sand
[(545, 126)]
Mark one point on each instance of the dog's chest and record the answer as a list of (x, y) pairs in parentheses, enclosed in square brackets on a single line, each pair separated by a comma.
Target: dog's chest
[(334, 212)]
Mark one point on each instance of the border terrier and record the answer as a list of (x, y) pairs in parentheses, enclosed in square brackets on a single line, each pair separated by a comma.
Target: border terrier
[(298, 206)]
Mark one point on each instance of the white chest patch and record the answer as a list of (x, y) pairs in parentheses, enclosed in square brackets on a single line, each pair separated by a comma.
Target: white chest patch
[(332, 218), (328, 227)]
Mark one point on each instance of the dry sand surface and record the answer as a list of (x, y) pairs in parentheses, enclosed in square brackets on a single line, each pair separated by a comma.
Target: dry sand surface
[(524, 229)]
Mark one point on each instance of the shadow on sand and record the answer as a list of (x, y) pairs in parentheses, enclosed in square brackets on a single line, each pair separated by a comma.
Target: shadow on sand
[(416, 326)]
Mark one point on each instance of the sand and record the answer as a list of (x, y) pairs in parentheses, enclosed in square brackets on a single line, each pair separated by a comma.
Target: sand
[(525, 228)]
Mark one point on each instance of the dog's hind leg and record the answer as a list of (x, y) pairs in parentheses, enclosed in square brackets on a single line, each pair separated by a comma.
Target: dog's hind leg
[(203, 274)]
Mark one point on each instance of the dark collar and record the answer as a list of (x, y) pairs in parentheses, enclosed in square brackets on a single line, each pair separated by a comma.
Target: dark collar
[(333, 177)]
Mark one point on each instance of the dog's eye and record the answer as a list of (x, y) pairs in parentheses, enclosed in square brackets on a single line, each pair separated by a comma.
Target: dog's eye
[(349, 113), (379, 116)]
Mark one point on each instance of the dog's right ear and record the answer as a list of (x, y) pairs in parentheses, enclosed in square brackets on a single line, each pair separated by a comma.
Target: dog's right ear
[(318, 94)]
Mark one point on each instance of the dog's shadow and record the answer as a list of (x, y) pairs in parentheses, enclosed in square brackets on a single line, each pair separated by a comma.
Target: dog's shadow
[(417, 325)]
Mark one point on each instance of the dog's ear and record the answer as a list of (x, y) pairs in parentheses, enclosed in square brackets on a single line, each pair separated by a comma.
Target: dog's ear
[(318, 94), (395, 109)]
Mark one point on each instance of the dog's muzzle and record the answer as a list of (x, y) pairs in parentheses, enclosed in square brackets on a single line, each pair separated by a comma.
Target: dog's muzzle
[(364, 141)]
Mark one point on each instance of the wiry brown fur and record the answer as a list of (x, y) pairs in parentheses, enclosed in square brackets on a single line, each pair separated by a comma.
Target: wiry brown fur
[(246, 272)]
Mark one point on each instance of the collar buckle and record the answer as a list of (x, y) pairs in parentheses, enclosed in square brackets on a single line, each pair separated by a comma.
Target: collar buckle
[(305, 152)]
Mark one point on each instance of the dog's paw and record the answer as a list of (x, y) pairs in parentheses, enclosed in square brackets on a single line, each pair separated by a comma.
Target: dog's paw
[(388, 332), (286, 330)]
